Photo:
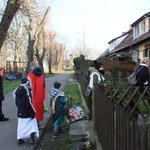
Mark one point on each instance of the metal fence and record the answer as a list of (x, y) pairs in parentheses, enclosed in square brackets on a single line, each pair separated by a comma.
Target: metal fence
[(121, 115)]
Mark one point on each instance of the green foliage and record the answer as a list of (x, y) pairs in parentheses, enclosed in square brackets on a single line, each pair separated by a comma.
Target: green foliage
[(77, 63), (117, 71)]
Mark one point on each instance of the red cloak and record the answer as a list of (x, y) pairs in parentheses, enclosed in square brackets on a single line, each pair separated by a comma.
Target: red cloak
[(38, 94)]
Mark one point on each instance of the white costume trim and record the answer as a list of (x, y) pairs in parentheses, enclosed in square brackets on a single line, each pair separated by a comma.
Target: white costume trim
[(100, 78)]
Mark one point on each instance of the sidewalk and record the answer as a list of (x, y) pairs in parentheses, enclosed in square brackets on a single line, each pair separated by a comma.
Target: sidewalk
[(8, 129), (74, 136)]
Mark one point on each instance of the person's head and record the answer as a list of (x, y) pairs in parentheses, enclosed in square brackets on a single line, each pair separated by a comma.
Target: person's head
[(98, 66), (57, 85), (26, 81), (145, 60)]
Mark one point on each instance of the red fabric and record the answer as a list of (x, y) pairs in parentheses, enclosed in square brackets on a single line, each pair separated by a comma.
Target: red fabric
[(38, 94)]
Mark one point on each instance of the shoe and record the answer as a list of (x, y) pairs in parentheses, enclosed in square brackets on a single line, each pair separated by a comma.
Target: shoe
[(20, 141), (56, 135), (2, 118), (40, 127), (60, 130)]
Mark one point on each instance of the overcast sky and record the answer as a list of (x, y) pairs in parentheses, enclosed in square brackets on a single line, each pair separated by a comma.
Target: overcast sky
[(102, 20)]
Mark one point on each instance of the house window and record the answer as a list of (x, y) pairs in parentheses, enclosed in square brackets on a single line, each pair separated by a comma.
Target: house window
[(136, 31), (148, 53)]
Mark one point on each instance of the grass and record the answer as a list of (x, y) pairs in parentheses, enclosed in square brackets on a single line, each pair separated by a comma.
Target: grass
[(73, 91), (9, 86)]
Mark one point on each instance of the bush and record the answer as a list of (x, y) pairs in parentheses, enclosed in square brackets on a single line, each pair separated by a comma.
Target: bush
[(117, 71)]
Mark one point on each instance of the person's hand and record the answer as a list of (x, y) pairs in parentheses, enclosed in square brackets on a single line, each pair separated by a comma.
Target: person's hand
[(145, 83)]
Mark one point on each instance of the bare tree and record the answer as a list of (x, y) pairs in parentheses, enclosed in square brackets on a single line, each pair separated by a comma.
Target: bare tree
[(58, 56), (10, 11), (33, 33), (50, 46), (40, 48)]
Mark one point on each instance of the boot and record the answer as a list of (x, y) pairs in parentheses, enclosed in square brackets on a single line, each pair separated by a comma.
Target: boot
[(2, 118), (32, 138), (20, 141), (56, 135)]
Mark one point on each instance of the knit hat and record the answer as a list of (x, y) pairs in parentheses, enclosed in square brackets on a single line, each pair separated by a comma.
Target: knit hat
[(97, 65), (57, 84), (25, 80)]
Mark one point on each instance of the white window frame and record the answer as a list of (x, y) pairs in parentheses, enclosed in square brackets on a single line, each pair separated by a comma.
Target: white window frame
[(148, 53), (137, 31)]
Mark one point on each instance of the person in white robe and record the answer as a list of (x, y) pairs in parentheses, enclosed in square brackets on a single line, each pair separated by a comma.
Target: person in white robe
[(27, 124)]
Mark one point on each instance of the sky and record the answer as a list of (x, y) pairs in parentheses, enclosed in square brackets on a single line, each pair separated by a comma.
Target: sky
[(100, 20)]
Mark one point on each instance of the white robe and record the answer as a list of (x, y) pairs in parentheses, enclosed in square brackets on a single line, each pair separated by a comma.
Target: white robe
[(26, 126)]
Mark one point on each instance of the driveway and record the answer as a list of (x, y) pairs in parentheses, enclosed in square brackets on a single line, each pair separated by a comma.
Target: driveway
[(8, 129)]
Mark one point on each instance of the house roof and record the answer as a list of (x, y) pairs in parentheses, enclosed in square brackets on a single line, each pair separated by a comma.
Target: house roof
[(140, 19), (128, 41), (104, 53), (124, 33)]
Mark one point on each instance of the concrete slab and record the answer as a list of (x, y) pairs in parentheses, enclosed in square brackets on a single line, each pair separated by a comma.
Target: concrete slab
[(79, 130)]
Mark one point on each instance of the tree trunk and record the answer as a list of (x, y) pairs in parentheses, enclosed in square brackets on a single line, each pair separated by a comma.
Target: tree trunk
[(10, 11), (50, 64), (30, 53)]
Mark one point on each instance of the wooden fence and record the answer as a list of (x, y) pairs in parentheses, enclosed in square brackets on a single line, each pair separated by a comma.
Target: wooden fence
[(121, 114)]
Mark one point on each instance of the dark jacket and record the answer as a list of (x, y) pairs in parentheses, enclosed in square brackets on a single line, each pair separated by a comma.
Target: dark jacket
[(142, 76), (23, 103), (1, 89)]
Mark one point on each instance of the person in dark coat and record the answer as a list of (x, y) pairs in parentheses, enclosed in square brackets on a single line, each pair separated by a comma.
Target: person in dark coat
[(57, 106), (27, 125), (143, 75), (2, 118)]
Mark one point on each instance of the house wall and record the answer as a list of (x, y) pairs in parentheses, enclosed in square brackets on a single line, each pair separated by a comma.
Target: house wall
[(141, 28), (146, 20)]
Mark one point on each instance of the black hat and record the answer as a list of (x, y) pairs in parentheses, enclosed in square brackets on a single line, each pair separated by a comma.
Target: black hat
[(24, 80), (57, 84), (97, 65)]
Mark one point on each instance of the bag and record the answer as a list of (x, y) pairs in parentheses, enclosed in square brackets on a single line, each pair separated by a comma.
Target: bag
[(132, 79), (73, 112), (88, 91)]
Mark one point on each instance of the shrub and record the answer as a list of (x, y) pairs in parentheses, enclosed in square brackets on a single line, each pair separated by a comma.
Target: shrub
[(117, 71)]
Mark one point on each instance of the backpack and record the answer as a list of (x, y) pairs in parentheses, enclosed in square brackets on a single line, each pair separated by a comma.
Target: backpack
[(132, 78)]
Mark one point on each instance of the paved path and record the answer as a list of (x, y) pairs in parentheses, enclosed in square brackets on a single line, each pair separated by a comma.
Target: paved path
[(8, 129)]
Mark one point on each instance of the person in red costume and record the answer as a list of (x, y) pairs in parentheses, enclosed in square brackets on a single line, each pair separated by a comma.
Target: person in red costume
[(37, 80)]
